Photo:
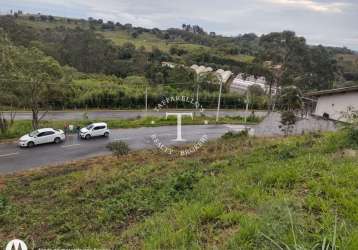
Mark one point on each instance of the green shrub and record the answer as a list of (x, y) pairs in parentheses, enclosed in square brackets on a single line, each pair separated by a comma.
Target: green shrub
[(135, 80), (286, 153), (211, 213), (352, 137), (253, 119), (184, 182), (236, 135), (119, 148), (3, 204), (230, 218), (247, 236)]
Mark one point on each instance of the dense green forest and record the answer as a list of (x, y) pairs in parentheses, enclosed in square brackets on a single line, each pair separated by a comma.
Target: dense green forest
[(76, 63)]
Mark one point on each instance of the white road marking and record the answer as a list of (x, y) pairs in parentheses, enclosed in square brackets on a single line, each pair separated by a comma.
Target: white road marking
[(16, 153), (195, 133), (72, 145)]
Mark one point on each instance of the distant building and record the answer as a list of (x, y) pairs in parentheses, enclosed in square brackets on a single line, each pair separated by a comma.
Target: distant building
[(336, 104), (242, 84), (222, 75), (201, 69), (169, 65)]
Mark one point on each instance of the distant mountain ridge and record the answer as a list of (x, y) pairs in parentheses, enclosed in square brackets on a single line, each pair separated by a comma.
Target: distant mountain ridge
[(123, 49)]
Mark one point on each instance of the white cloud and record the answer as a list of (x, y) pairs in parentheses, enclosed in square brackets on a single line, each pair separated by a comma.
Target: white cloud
[(320, 21), (333, 7), (63, 3)]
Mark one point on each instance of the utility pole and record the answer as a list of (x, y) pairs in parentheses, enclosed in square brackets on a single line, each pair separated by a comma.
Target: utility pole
[(274, 102), (270, 99), (219, 101), (146, 101), (197, 96), (197, 99)]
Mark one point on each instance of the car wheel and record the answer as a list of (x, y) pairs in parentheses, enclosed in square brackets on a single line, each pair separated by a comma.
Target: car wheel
[(57, 140), (30, 144), (88, 137), (106, 134)]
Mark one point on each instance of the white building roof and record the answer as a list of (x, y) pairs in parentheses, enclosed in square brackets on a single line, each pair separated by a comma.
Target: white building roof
[(201, 69), (242, 84), (333, 91)]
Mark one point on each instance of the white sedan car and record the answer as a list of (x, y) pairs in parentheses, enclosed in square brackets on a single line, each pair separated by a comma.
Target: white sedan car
[(42, 136)]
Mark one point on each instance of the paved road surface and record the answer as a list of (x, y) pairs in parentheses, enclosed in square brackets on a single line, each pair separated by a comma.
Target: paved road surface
[(97, 115), (14, 159)]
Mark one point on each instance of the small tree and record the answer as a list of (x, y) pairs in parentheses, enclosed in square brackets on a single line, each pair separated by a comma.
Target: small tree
[(288, 121), (40, 76), (32, 77), (9, 89), (256, 95), (256, 90), (135, 34), (119, 148), (291, 99), (351, 125)]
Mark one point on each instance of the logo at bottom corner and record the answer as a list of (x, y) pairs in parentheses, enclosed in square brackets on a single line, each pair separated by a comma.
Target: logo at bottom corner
[(16, 245)]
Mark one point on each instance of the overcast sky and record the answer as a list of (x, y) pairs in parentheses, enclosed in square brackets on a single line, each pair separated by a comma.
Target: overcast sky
[(327, 22)]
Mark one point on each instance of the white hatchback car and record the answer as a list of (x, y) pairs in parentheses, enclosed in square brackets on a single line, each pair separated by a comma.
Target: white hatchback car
[(94, 130), (42, 136)]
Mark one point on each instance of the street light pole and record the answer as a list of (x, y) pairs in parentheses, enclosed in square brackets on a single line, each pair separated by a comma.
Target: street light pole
[(146, 100), (197, 96), (270, 98), (219, 101), (247, 106)]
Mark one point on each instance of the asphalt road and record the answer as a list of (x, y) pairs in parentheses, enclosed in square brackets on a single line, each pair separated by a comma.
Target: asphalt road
[(119, 114), (13, 158)]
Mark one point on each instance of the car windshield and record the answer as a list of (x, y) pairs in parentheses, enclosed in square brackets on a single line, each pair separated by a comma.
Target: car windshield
[(89, 127), (33, 133)]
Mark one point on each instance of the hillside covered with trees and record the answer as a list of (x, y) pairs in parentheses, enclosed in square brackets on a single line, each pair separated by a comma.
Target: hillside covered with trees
[(92, 63)]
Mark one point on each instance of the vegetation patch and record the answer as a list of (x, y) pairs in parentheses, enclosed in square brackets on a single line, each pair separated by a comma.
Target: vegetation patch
[(293, 193), (119, 148)]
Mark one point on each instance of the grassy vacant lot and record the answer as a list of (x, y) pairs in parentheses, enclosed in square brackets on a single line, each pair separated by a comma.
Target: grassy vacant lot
[(20, 128), (146, 40), (120, 37), (238, 193), (348, 62)]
